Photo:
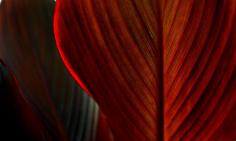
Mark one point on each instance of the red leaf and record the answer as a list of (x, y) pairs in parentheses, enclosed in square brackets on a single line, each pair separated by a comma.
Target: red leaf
[(160, 70)]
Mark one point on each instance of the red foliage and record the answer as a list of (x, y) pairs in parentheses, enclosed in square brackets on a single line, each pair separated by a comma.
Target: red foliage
[(159, 70)]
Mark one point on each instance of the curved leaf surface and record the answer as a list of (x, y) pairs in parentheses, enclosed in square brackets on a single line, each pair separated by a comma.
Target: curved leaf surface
[(159, 70)]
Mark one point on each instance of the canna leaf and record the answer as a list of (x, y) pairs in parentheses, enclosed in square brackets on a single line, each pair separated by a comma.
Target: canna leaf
[(159, 70), (199, 69)]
